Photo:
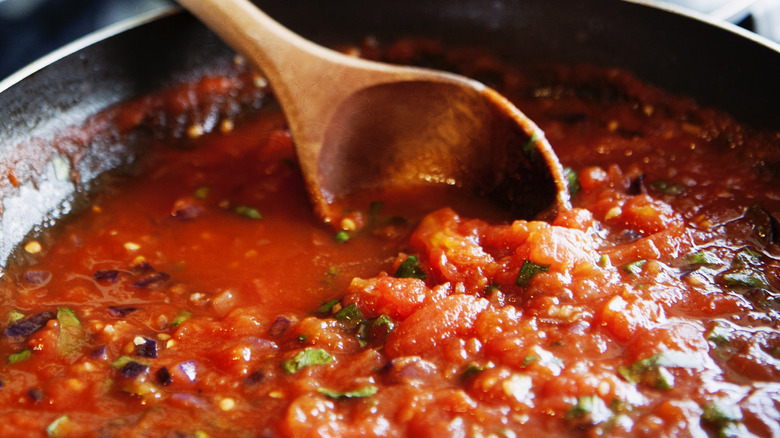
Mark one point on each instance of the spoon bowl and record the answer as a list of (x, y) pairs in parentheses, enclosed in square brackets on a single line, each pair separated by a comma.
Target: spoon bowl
[(363, 125)]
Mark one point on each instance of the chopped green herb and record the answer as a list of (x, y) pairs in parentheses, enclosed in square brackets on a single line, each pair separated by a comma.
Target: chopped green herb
[(20, 356), (341, 236), (247, 212), (528, 271), (350, 315), (57, 428), (472, 369), (586, 404), (702, 258), (529, 148), (326, 307), (181, 317), (333, 270), (306, 358), (72, 333), (665, 379), (668, 188), (366, 391), (747, 257), (528, 360), (634, 268), (719, 335), (14, 316), (121, 361), (363, 334), (384, 321), (572, 181), (745, 278), (410, 268), (604, 261), (652, 370), (201, 192), (719, 413)]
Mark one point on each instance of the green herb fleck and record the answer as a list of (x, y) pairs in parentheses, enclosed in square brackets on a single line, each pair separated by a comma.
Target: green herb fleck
[(604, 261), (341, 236), (472, 369), (306, 358), (528, 360), (634, 268), (719, 335), (57, 428), (20, 356), (745, 278), (702, 258), (529, 148), (72, 333), (247, 212), (572, 181), (747, 257), (384, 321), (528, 271), (326, 307), (201, 192), (181, 317), (121, 361), (652, 370), (14, 316), (366, 391), (668, 188), (350, 315), (586, 404), (410, 268), (719, 414)]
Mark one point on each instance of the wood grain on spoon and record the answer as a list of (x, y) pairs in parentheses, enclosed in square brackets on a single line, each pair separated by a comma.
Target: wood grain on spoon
[(361, 125)]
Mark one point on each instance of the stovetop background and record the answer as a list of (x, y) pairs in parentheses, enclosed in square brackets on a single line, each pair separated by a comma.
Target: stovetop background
[(29, 29)]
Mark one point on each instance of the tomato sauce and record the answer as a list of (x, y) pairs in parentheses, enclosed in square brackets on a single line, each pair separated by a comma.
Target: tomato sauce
[(198, 296)]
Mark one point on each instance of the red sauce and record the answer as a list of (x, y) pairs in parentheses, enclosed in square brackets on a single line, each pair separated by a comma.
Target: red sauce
[(203, 298)]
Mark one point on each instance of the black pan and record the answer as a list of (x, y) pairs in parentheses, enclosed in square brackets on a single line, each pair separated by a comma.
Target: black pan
[(41, 178)]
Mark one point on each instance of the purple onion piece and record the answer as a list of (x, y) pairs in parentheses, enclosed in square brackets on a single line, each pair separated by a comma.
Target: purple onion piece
[(107, 275), (134, 369), (279, 326), (254, 378), (36, 394), (143, 268), (99, 352), (152, 279), (164, 376), (189, 400), (188, 212), (147, 349), (30, 325), (119, 311), (37, 277), (189, 369)]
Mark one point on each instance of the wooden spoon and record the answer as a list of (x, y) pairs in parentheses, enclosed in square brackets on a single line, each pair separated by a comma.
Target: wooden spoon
[(360, 125)]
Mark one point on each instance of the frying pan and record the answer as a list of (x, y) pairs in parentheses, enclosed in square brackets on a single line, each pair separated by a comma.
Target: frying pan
[(46, 168)]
